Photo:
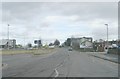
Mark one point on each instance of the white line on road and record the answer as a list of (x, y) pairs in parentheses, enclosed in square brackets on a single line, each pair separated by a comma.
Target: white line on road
[(57, 73), (58, 66)]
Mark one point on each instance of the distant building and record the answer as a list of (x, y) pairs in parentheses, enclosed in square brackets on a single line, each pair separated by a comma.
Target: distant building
[(99, 46), (83, 42), (4, 43), (75, 42), (68, 42), (102, 45), (86, 42)]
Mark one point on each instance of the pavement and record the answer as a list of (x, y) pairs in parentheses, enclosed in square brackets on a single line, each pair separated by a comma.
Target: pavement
[(61, 63), (109, 57)]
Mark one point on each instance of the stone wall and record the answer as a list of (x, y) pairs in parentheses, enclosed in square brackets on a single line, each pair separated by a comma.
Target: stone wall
[(114, 51)]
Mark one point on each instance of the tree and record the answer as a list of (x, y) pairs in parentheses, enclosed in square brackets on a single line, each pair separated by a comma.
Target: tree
[(19, 46), (29, 45), (50, 44), (68, 42), (65, 43), (57, 42)]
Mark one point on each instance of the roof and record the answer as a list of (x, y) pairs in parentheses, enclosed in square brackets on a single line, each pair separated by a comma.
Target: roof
[(4, 41), (82, 38)]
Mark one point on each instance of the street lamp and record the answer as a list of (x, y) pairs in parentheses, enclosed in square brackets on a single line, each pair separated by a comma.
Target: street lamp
[(107, 34), (8, 35)]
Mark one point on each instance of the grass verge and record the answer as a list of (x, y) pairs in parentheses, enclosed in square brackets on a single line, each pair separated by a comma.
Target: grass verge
[(32, 51)]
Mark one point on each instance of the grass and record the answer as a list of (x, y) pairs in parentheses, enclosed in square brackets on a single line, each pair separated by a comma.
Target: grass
[(43, 51), (32, 51)]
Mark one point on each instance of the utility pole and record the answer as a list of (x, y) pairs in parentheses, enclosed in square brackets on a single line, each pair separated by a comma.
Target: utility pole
[(72, 41), (107, 34), (24, 41)]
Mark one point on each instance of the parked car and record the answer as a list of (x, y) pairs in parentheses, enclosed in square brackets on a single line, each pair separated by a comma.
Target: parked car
[(114, 46), (60, 46), (119, 47), (52, 46), (70, 49)]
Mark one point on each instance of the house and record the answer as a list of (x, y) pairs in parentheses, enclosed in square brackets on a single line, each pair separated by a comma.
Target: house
[(86, 42), (4, 43), (101, 46), (83, 42)]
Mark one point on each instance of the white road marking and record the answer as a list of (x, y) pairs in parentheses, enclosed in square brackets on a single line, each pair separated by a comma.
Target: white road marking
[(57, 73), (58, 66)]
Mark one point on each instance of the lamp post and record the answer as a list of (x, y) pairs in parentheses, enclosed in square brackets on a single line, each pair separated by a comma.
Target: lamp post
[(71, 44), (107, 34), (8, 36)]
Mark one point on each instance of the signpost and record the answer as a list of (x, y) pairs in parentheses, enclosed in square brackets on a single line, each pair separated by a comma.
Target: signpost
[(38, 42)]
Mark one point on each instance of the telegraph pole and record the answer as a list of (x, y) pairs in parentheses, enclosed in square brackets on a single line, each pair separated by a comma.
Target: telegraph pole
[(107, 34)]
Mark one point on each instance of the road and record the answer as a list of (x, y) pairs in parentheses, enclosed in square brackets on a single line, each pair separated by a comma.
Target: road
[(62, 63)]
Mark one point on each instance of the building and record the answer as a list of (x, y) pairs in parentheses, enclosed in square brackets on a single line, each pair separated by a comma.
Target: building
[(83, 42), (75, 42), (86, 42), (4, 43), (101, 46), (68, 41)]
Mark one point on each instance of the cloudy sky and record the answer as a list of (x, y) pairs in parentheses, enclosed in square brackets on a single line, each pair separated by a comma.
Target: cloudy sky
[(59, 20)]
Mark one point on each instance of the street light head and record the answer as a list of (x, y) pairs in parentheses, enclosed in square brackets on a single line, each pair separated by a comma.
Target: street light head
[(8, 25), (106, 24)]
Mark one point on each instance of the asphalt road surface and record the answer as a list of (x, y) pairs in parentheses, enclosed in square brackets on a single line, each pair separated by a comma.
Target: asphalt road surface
[(62, 63)]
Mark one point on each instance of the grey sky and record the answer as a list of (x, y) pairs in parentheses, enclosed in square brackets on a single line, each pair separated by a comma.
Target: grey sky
[(59, 20)]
